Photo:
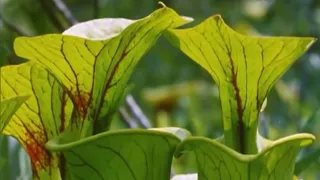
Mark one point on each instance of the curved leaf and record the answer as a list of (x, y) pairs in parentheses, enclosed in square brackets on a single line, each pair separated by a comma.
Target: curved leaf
[(217, 161), (178, 132), (262, 142), (44, 115), (95, 73), (244, 67), (8, 107), (99, 29), (122, 155)]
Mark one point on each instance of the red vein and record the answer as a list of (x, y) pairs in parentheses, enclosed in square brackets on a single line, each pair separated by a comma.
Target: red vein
[(241, 127), (108, 85), (62, 114)]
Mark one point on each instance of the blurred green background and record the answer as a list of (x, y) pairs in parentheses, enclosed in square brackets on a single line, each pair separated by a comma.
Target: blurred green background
[(170, 88)]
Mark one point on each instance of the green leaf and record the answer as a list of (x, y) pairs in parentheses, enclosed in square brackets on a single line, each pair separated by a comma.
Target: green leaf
[(95, 73), (123, 155), (8, 107), (217, 161), (244, 67), (44, 115)]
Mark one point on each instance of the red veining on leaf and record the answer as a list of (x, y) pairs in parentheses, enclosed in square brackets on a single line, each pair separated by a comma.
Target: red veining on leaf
[(109, 85), (81, 101), (34, 142), (240, 122), (62, 115)]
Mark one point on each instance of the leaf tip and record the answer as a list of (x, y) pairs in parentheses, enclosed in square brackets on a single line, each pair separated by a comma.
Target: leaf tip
[(313, 40), (17, 41), (18, 45), (217, 17)]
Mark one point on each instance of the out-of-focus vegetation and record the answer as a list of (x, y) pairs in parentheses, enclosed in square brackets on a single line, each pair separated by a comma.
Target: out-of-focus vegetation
[(171, 89)]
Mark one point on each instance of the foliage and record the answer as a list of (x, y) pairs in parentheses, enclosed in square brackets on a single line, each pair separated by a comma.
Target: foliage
[(8, 108), (244, 68), (84, 80)]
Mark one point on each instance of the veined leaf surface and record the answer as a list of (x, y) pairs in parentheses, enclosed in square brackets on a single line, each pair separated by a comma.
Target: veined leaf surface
[(45, 114), (95, 73), (122, 155), (217, 161), (244, 67)]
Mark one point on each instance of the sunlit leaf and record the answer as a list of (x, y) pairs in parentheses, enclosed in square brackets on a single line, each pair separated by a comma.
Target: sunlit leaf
[(122, 155), (95, 73), (244, 67), (45, 114), (8, 107), (217, 161)]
